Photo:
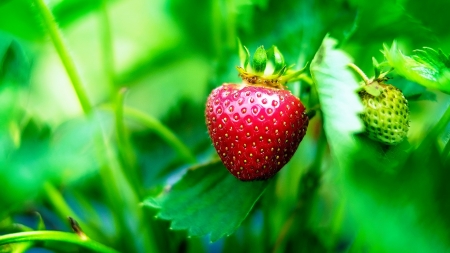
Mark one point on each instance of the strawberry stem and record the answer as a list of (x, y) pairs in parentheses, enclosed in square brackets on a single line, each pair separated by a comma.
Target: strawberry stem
[(360, 73)]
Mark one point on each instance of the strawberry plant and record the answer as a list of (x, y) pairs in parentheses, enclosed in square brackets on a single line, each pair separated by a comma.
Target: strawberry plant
[(147, 126)]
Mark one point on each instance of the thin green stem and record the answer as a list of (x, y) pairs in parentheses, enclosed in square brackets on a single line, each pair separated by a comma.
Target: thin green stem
[(124, 144), (119, 187), (64, 211), (162, 131), (120, 126), (62, 208), (107, 45), (58, 202), (55, 236), (360, 72), (63, 52)]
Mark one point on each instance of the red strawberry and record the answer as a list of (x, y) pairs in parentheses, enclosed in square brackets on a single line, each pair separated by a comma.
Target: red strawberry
[(256, 126), (255, 129)]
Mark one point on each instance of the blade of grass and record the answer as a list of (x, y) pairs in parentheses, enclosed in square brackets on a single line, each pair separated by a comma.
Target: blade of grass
[(55, 236)]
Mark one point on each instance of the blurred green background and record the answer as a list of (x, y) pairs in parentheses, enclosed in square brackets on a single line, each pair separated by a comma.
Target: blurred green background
[(147, 68)]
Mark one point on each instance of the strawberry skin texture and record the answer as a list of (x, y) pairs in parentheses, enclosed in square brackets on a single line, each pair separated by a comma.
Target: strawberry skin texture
[(254, 129)]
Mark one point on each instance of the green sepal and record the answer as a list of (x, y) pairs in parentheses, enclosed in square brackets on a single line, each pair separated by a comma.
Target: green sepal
[(244, 55), (373, 89), (274, 55), (259, 60), (376, 67)]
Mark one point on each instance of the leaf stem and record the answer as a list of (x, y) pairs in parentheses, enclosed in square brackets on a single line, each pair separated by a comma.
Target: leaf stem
[(359, 72), (62, 208), (127, 213), (162, 131), (63, 52), (107, 45), (55, 236), (123, 142)]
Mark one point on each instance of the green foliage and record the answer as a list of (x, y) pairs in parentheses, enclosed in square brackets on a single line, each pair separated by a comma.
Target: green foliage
[(208, 201), (142, 150)]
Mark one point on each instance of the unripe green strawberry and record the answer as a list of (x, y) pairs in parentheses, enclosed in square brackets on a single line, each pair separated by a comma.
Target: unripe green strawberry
[(385, 116)]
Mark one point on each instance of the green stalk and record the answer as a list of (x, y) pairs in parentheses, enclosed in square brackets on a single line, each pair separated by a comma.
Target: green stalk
[(107, 45), (124, 145), (162, 131), (62, 208), (58, 202), (120, 126), (119, 188), (55, 236), (63, 52), (360, 72)]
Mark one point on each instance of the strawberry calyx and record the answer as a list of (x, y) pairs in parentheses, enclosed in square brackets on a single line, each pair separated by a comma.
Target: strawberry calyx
[(267, 68), (375, 85)]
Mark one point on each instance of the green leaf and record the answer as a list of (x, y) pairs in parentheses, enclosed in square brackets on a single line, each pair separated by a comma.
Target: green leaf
[(259, 60), (426, 66), (336, 87), (208, 200)]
